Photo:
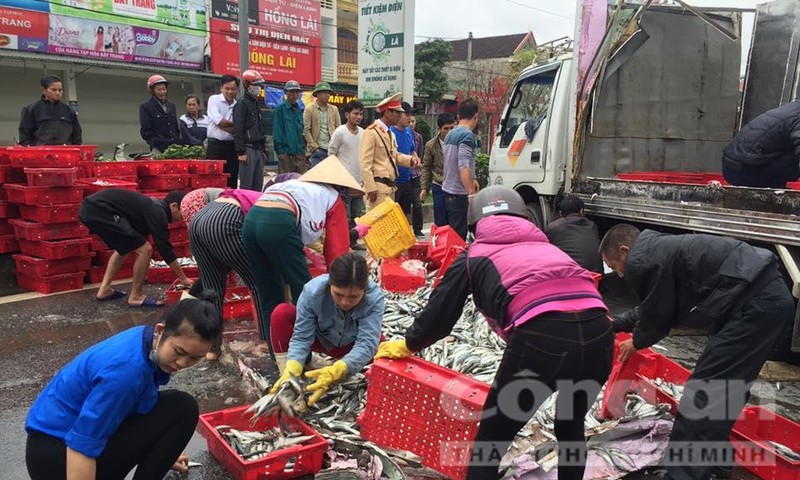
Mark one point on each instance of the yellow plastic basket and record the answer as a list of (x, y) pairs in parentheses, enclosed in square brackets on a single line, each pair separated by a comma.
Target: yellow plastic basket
[(390, 234)]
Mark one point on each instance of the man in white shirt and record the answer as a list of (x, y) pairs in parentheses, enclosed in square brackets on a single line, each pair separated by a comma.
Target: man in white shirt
[(220, 128), (344, 143)]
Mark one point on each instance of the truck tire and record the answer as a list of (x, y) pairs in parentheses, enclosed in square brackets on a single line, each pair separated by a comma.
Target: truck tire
[(535, 214)]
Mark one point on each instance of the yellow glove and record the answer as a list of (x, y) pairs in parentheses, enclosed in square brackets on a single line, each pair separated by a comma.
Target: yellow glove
[(393, 349), (293, 369), (325, 378)]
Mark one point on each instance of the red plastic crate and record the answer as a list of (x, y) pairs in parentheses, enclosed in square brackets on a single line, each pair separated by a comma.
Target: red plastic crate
[(207, 167), (164, 182), (8, 210), (750, 436), (181, 250), (165, 275), (9, 174), (90, 185), (51, 177), (52, 284), (395, 278), (86, 169), (163, 167), (119, 169), (26, 230), (103, 257), (48, 214), (5, 158), (40, 267), (793, 185), (442, 238), (419, 251), (209, 181), (9, 243), (87, 152), (426, 409), (284, 464), (236, 307), (176, 236), (25, 195), (173, 295), (452, 253), (56, 250), (95, 274), (45, 156), (98, 243)]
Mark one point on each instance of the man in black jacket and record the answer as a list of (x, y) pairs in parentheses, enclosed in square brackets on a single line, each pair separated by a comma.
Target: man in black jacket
[(766, 151), (50, 121), (158, 117), (249, 131), (724, 285), (124, 219), (576, 235)]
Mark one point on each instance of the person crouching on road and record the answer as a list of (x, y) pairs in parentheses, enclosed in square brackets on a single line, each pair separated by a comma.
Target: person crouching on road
[(288, 216), (215, 218), (552, 317), (103, 414), (123, 219), (702, 281), (338, 314)]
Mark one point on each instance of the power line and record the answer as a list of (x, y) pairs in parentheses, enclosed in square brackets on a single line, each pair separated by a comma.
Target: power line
[(540, 10)]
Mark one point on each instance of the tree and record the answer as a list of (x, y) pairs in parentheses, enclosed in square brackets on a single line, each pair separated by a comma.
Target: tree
[(429, 63), (520, 61)]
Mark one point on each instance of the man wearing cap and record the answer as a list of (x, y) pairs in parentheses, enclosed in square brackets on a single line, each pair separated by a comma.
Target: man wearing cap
[(287, 132), (220, 128), (379, 155), (320, 119), (249, 132)]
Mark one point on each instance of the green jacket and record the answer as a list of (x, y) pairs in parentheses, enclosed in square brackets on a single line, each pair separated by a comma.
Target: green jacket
[(287, 129)]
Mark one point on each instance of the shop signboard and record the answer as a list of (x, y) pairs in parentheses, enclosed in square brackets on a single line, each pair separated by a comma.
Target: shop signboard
[(117, 42), (284, 45), (37, 5), (187, 16), (24, 30), (385, 64)]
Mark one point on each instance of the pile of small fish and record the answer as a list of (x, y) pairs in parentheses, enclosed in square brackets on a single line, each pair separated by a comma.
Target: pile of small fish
[(251, 445), (104, 183), (673, 390), (785, 451), (183, 262)]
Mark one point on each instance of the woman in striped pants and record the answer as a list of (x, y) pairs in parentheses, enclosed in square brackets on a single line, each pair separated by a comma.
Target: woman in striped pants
[(215, 236)]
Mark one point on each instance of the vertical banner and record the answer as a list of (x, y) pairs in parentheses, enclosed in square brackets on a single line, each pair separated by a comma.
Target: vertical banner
[(385, 64), (285, 39)]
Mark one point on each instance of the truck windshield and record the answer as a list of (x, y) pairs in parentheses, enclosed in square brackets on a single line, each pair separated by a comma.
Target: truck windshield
[(529, 103)]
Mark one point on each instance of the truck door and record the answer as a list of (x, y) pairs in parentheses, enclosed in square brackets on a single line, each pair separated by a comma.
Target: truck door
[(520, 149)]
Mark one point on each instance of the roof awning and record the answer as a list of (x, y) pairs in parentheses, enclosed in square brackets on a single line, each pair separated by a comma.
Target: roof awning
[(137, 67)]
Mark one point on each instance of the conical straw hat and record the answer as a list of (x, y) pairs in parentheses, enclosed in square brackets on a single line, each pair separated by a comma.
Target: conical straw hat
[(332, 172)]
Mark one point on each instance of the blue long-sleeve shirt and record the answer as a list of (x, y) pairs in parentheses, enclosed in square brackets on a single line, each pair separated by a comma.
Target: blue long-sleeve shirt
[(405, 144), (319, 318), (85, 403)]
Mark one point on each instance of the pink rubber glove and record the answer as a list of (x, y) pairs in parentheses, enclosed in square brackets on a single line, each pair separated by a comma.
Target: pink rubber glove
[(362, 230)]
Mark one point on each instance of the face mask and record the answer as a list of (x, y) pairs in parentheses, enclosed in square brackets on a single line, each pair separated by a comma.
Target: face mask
[(254, 90)]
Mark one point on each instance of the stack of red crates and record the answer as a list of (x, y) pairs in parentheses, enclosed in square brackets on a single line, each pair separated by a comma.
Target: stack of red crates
[(207, 173), (8, 210), (159, 177), (54, 244)]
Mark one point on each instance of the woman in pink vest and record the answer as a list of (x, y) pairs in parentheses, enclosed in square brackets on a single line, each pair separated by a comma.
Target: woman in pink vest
[(549, 312)]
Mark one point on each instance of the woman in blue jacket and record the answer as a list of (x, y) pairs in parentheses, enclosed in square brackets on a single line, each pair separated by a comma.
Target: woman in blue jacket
[(103, 414), (338, 314)]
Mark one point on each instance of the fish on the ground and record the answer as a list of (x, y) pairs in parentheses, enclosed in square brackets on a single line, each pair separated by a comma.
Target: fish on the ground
[(252, 445)]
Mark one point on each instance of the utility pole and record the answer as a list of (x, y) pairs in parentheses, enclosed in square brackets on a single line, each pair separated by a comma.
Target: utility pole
[(244, 35)]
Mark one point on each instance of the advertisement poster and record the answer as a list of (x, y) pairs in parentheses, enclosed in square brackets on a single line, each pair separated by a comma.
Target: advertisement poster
[(383, 29), (285, 40), (38, 5), (112, 41), (23, 30), (188, 16)]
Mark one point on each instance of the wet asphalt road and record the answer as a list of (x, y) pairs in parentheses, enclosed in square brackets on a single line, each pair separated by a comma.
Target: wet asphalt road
[(38, 336)]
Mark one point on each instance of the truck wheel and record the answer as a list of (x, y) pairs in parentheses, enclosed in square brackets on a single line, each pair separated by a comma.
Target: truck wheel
[(535, 214)]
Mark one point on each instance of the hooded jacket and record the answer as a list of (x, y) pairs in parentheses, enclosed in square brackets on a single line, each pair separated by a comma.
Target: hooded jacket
[(688, 280), (773, 136), (49, 123), (513, 273)]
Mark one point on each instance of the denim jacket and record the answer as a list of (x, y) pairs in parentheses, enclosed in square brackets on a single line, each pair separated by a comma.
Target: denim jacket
[(319, 318)]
